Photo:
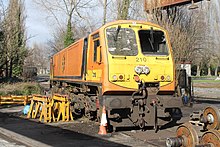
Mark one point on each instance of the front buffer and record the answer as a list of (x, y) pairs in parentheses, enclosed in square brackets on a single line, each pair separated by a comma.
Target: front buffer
[(143, 108)]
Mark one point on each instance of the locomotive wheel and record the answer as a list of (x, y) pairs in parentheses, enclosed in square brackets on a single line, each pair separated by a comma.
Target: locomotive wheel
[(214, 113), (211, 138), (189, 135)]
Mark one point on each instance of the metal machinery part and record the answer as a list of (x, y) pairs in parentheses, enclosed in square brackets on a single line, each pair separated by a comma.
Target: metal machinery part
[(211, 118), (145, 99), (141, 102), (185, 86), (186, 137), (211, 138)]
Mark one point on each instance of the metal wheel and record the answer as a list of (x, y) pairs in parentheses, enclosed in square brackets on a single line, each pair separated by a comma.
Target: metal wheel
[(212, 113), (211, 138), (188, 134)]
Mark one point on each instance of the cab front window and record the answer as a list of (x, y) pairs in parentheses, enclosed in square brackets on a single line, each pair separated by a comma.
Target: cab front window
[(153, 42), (121, 41)]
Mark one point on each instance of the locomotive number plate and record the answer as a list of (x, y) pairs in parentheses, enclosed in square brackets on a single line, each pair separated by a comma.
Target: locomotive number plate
[(141, 59)]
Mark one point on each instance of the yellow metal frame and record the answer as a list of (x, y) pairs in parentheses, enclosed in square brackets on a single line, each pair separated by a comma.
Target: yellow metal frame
[(45, 107), (8, 100)]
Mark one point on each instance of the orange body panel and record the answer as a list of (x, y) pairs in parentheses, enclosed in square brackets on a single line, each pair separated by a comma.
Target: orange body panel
[(168, 87), (73, 56), (66, 62)]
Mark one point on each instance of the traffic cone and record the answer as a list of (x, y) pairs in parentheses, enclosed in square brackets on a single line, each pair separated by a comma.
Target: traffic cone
[(103, 124)]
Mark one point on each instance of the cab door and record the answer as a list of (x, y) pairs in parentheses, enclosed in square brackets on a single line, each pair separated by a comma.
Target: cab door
[(94, 68)]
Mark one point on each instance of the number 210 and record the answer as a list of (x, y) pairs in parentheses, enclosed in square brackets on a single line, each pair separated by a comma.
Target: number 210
[(141, 59)]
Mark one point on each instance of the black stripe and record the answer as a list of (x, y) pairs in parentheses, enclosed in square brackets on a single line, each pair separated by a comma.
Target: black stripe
[(68, 77), (77, 82), (84, 59)]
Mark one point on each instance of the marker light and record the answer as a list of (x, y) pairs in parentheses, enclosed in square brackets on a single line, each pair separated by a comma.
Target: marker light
[(162, 78), (168, 78), (138, 69), (146, 70), (121, 77), (136, 78), (114, 77)]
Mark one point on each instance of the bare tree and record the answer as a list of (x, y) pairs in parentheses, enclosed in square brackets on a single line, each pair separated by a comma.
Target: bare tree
[(38, 57), (104, 11), (185, 28), (69, 10), (213, 33), (123, 8)]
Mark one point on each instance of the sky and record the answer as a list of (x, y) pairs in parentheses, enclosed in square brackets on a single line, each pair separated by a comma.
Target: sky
[(38, 29)]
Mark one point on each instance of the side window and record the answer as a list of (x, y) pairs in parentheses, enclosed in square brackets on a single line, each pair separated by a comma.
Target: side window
[(96, 45)]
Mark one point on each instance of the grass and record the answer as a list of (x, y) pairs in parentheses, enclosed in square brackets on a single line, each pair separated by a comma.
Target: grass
[(206, 81), (20, 88)]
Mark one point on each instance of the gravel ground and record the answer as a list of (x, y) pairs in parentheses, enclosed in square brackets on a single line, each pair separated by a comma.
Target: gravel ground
[(83, 132), (5, 142), (74, 133), (207, 90)]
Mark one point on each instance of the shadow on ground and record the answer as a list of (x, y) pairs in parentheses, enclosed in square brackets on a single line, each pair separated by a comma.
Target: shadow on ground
[(207, 100), (50, 135)]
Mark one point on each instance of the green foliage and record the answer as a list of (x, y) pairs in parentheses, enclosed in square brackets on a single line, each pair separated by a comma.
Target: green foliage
[(13, 47), (31, 89), (68, 38), (20, 89), (17, 70)]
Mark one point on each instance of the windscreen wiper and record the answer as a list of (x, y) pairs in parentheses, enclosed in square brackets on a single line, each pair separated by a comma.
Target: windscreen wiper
[(117, 32), (151, 44)]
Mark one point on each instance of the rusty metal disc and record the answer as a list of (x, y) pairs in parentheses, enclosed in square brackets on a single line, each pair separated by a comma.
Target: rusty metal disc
[(212, 138), (188, 134), (215, 114)]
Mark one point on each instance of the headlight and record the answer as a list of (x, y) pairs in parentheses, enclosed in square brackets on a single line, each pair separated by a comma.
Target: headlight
[(138, 69), (114, 78), (146, 70), (168, 78)]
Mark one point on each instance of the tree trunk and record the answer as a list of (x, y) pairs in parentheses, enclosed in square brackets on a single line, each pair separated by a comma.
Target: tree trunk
[(209, 70), (6, 69), (105, 12), (216, 69), (198, 71), (123, 9), (10, 67)]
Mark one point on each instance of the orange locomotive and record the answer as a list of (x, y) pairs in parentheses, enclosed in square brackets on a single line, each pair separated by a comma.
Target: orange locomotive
[(126, 66)]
